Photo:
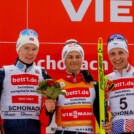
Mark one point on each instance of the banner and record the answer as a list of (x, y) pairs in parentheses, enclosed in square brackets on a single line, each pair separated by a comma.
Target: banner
[(59, 20)]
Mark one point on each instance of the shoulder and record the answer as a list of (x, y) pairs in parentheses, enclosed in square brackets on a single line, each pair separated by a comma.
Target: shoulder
[(8, 67), (95, 83), (87, 76), (2, 74), (132, 68), (41, 69), (2, 70), (60, 80), (38, 67), (45, 74), (44, 71), (111, 75)]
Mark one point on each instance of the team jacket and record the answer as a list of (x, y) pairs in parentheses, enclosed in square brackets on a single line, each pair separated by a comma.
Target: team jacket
[(121, 100), (18, 83), (74, 111)]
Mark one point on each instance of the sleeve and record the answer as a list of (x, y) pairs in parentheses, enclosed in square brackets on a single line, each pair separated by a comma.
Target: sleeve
[(2, 76), (45, 74), (96, 103), (87, 76), (45, 117)]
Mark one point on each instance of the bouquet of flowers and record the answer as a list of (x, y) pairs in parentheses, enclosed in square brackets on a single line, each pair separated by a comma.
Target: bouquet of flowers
[(50, 89)]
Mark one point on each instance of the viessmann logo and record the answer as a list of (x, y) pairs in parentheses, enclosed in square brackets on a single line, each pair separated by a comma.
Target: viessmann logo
[(24, 79), (120, 11), (82, 113)]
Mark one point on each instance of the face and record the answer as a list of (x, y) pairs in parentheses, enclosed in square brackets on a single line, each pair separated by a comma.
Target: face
[(73, 62), (118, 58), (27, 53)]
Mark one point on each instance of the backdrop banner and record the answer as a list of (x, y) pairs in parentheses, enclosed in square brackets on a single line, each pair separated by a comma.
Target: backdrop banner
[(59, 20)]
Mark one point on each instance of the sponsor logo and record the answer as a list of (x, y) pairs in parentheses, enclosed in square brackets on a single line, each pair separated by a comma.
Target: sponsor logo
[(129, 112), (119, 10), (77, 92), (74, 114), (25, 99), (24, 79), (123, 84), (24, 108)]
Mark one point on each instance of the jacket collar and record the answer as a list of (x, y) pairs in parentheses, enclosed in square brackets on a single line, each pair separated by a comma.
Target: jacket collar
[(73, 78), (125, 70), (24, 67)]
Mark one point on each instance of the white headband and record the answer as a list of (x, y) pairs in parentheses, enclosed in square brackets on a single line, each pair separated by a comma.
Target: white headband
[(72, 45), (117, 43)]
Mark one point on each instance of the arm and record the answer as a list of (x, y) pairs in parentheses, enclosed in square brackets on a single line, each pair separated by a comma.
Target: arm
[(45, 109), (96, 109), (50, 108), (88, 78), (96, 104), (2, 76), (1, 126), (45, 74)]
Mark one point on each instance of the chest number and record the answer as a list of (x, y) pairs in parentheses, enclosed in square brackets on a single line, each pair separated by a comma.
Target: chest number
[(123, 103)]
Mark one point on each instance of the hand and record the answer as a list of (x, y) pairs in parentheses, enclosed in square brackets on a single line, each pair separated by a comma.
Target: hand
[(50, 105), (2, 130), (50, 89), (1, 126), (108, 126)]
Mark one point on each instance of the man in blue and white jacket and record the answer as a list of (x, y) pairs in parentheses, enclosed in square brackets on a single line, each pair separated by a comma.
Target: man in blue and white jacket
[(122, 95), (20, 102)]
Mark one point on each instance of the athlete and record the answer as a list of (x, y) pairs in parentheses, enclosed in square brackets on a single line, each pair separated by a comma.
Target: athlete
[(20, 103), (74, 112), (122, 95)]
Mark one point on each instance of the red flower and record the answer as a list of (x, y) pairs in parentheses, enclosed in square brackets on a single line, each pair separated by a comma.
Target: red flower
[(50, 82), (50, 89)]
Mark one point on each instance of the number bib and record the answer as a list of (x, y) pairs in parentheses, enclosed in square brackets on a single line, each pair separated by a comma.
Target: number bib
[(121, 97)]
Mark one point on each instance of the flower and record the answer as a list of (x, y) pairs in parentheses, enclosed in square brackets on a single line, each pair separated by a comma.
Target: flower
[(50, 89)]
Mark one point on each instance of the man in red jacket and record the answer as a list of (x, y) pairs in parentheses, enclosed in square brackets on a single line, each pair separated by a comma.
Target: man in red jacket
[(75, 110)]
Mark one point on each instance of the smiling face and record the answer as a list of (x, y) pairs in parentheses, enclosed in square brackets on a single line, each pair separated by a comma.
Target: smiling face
[(118, 58), (27, 53), (73, 62)]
